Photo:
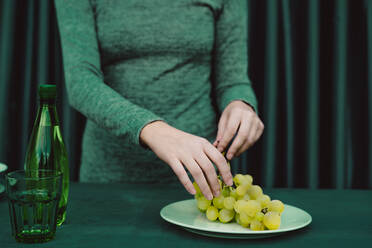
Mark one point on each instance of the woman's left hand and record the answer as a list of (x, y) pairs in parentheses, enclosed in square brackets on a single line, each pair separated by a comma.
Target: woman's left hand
[(238, 118)]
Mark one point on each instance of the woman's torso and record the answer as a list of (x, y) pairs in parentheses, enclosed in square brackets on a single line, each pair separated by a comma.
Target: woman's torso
[(158, 55)]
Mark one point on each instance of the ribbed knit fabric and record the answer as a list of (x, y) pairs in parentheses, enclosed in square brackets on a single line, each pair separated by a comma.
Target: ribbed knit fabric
[(130, 62)]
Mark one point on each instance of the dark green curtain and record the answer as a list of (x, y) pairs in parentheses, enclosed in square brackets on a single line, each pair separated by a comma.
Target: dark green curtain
[(30, 55), (310, 63)]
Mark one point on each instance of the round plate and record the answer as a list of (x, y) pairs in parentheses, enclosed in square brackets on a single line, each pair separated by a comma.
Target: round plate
[(3, 168), (185, 214)]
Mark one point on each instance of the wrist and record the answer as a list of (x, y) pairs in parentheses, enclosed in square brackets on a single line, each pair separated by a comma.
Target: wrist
[(245, 104), (149, 131)]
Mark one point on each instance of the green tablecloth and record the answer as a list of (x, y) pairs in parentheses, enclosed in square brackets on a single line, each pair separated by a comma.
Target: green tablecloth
[(120, 215)]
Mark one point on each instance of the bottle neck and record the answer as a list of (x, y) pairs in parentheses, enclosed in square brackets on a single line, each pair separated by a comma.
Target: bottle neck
[(47, 114), (49, 102)]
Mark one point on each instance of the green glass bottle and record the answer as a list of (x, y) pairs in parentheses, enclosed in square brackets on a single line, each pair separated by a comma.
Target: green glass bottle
[(46, 149)]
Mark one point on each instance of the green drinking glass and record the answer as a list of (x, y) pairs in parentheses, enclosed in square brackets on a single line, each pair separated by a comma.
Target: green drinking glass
[(33, 197)]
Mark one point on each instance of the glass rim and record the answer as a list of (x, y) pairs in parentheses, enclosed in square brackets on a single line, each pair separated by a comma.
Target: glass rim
[(56, 174)]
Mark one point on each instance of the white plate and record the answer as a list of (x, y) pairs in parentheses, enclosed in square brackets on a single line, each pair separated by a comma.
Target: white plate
[(3, 168), (185, 214)]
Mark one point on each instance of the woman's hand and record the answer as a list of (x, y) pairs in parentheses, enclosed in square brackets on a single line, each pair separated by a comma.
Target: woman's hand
[(238, 118), (180, 149)]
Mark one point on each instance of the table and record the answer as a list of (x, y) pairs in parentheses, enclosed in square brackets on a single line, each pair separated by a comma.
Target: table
[(127, 215)]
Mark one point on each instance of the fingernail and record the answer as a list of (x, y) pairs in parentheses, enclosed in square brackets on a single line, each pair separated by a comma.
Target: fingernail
[(230, 182), (210, 196), (217, 193), (230, 156)]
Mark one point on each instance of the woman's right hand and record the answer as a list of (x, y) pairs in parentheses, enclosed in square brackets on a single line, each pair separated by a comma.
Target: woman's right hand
[(180, 149)]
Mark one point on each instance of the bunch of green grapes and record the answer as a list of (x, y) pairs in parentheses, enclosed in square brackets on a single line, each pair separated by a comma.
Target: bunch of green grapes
[(244, 203)]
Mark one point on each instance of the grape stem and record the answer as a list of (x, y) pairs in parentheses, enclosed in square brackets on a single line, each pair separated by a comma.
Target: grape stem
[(219, 175)]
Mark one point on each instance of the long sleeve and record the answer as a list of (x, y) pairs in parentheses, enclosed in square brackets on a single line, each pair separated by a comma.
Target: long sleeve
[(231, 61), (85, 85)]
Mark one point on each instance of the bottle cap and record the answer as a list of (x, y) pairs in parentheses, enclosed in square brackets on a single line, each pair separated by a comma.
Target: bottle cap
[(47, 91)]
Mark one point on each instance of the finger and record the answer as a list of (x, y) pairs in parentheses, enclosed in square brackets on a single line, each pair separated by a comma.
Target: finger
[(261, 128), (241, 138), (221, 129), (210, 173), (180, 172), (219, 160), (242, 149), (199, 177), (253, 133), (251, 138), (232, 126)]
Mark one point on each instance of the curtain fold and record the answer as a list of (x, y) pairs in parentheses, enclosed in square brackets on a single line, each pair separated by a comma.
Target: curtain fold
[(27, 77), (340, 93), (369, 39), (289, 91), (270, 88), (312, 92), (6, 46), (29, 56), (310, 63)]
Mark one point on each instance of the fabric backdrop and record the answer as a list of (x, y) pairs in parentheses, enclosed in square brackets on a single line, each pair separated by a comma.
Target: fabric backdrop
[(311, 67)]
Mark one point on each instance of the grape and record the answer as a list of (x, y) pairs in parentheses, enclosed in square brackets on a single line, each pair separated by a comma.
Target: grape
[(226, 215), (239, 179), (271, 220), (229, 202), (196, 186), (197, 189), (203, 203), (264, 200), (225, 191), (212, 213), (245, 203), (256, 225), (251, 208), (244, 197), (259, 216), (276, 206), (233, 193), (244, 225), (241, 190), (249, 179), (245, 219), (218, 201), (238, 204), (237, 218), (255, 191), (198, 195)]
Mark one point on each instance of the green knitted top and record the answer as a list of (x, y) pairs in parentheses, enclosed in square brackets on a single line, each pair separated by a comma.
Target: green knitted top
[(130, 62)]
